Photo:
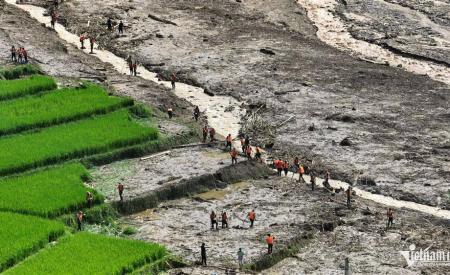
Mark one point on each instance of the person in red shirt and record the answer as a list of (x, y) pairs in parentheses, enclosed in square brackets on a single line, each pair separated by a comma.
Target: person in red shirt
[(249, 152), (279, 166), (286, 167)]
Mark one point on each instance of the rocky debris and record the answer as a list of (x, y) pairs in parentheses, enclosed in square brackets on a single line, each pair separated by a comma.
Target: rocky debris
[(267, 51), (346, 142), (162, 20)]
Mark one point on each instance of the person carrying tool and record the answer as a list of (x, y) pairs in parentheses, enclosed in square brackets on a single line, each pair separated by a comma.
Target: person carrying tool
[(269, 241), (252, 217), (233, 155), (228, 140), (390, 216)]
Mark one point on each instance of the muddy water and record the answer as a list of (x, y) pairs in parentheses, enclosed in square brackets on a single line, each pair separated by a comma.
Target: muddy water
[(225, 121), (330, 30), (333, 31)]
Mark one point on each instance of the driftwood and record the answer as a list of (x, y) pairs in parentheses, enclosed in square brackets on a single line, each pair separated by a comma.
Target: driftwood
[(162, 20)]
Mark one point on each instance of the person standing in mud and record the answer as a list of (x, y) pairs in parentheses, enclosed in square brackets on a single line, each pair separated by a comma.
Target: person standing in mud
[(205, 132), (53, 18), (249, 152), (82, 38), (120, 27), (240, 255), (109, 24), (252, 217), (258, 154), (120, 187), (233, 155), (269, 241), (212, 134), (196, 113), (135, 68), (313, 182), (170, 112), (348, 192), (92, 42), (301, 172), (279, 166), (213, 218), (13, 54), (203, 254), (25, 55), (80, 216), (228, 141), (173, 80), (243, 145), (247, 141), (224, 220), (286, 168), (390, 216)]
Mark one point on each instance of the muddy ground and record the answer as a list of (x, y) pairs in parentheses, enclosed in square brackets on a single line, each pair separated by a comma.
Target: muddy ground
[(288, 209), (397, 122)]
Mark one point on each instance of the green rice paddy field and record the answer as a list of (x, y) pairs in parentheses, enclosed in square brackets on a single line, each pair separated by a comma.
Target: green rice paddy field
[(41, 126)]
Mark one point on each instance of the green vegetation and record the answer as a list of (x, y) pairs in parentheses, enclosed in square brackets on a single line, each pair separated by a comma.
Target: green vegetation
[(71, 140), (86, 253), (46, 193), (18, 71), (25, 86), (56, 107), (22, 235)]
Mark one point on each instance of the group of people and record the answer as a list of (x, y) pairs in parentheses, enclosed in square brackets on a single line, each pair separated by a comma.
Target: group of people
[(91, 39), (208, 131), (132, 65), (246, 148), (19, 55)]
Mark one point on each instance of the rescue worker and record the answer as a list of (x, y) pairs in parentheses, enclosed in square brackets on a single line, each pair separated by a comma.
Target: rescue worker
[(228, 140), (203, 253), (247, 141), (196, 113), (120, 27), (279, 166), (53, 18), (249, 152), (313, 182), (212, 133), (80, 216), (92, 42), (286, 167), (173, 79), (135, 68), (205, 131), (130, 65), (233, 155), (390, 216), (301, 172), (296, 163), (243, 145), (349, 196), (252, 217), (258, 155), (120, 187), (82, 38), (109, 24), (89, 199), (13, 54), (213, 218), (170, 112), (269, 241), (224, 220), (25, 55)]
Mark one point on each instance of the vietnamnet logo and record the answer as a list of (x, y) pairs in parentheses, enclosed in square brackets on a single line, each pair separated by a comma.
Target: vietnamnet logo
[(426, 257)]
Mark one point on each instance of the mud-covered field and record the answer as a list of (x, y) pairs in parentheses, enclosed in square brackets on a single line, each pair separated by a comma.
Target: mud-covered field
[(397, 122)]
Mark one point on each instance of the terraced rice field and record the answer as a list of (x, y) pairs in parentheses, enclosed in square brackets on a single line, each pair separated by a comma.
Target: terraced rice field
[(41, 126), (56, 106), (48, 193), (22, 235), (86, 253), (26, 86)]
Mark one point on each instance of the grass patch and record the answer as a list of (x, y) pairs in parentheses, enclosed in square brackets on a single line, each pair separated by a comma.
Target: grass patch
[(22, 235), (86, 253), (72, 140), (48, 192), (25, 86), (20, 70), (56, 107)]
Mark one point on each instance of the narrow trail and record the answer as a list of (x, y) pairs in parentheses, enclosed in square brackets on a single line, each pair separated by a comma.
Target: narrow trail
[(332, 31), (224, 121), (228, 121)]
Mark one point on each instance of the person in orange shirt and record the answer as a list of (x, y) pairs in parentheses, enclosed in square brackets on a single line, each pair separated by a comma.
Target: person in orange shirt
[(286, 167), (234, 155), (279, 166), (248, 152), (269, 241), (301, 171), (228, 140), (252, 217), (243, 145)]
